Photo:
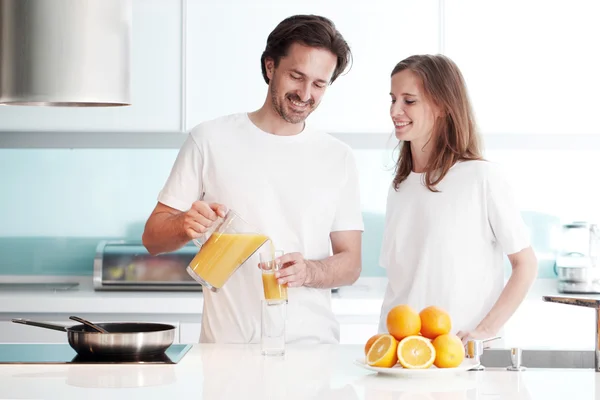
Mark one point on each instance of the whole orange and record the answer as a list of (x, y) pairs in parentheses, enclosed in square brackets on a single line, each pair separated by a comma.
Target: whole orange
[(370, 342), (449, 351), (403, 321), (434, 322)]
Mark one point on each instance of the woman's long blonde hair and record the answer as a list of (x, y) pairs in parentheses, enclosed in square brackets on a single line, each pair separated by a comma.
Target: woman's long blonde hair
[(454, 134)]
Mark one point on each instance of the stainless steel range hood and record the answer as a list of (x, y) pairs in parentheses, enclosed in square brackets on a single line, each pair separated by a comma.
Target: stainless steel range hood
[(69, 53)]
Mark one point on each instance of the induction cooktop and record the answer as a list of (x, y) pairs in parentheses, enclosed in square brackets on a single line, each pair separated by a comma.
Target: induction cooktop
[(59, 353)]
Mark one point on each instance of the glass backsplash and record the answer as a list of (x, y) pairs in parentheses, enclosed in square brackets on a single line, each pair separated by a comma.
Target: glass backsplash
[(58, 204)]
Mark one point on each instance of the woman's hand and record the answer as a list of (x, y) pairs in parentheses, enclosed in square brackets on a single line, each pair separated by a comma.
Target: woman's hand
[(478, 333)]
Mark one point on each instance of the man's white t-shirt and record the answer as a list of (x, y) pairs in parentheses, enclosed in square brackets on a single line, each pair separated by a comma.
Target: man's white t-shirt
[(447, 248), (295, 189)]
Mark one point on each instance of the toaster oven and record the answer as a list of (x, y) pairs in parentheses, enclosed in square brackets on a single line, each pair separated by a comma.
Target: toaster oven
[(127, 265)]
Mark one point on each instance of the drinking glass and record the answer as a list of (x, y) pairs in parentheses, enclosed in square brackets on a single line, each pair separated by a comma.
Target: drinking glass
[(269, 264), (272, 320)]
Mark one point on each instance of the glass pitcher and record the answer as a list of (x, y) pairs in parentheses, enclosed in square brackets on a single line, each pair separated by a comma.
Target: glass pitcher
[(231, 242)]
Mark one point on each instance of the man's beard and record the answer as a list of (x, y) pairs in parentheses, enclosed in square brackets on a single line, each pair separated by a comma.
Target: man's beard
[(292, 118)]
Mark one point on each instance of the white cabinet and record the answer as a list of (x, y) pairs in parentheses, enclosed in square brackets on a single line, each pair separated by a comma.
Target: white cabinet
[(528, 74), (223, 43), (225, 40), (186, 332), (189, 332), (11, 332), (353, 330), (357, 333), (155, 83)]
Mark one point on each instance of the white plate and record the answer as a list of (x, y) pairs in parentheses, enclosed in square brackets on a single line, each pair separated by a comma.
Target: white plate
[(398, 370)]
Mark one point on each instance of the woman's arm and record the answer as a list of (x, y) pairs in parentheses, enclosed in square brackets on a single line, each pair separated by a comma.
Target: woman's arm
[(524, 272)]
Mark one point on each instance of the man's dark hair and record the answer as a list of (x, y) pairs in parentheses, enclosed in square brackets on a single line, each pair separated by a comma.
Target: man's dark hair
[(310, 30)]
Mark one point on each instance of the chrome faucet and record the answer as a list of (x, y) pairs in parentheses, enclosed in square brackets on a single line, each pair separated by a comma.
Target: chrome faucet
[(474, 349), (591, 303)]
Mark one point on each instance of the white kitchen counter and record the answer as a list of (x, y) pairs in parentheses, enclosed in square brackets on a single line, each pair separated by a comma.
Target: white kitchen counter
[(536, 324), (220, 372), (363, 298)]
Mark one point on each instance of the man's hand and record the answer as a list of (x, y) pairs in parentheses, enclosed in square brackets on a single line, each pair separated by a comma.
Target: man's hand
[(342, 268), (295, 270), (200, 217)]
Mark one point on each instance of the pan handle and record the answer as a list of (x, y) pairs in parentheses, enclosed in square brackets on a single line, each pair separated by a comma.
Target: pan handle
[(41, 324)]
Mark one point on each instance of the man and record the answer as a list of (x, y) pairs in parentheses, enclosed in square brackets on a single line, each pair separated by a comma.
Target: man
[(293, 183)]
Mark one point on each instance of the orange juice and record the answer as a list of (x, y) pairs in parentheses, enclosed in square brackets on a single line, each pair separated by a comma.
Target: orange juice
[(223, 253), (272, 289)]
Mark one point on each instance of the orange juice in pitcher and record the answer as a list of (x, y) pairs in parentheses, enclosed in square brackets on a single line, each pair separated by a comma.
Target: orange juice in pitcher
[(229, 246)]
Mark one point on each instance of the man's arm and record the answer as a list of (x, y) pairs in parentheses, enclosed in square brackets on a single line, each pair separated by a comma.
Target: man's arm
[(169, 229), (341, 269), (164, 230)]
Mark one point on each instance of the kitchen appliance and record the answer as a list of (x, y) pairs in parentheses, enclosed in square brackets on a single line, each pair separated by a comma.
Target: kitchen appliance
[(127, 339), (127, 265), (38, 286), (65, 53), (62, 353), (577, 266)]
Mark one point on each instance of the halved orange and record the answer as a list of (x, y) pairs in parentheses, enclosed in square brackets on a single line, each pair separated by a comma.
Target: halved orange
[(383, 352), (416, 352), (370, 342)]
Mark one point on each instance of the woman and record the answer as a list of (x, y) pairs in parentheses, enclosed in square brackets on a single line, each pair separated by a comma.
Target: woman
[(450, 214)]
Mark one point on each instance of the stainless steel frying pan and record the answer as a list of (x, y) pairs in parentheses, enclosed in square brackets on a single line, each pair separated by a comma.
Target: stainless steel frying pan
[(124, 339)]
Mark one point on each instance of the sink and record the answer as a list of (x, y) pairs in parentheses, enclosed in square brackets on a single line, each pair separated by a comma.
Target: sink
[(38, 286), (500, 358)]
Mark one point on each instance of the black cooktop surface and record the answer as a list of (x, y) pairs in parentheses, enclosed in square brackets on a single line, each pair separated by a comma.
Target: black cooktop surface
[(59, 353)]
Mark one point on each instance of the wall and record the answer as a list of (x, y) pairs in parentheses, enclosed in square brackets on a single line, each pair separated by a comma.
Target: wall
[(57, 204)]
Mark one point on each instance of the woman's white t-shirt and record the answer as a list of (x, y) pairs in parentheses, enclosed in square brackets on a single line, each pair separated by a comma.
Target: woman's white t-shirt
[(447, 248)]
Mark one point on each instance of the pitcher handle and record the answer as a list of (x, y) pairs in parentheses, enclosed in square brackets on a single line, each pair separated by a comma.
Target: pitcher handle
[(199, 242)]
